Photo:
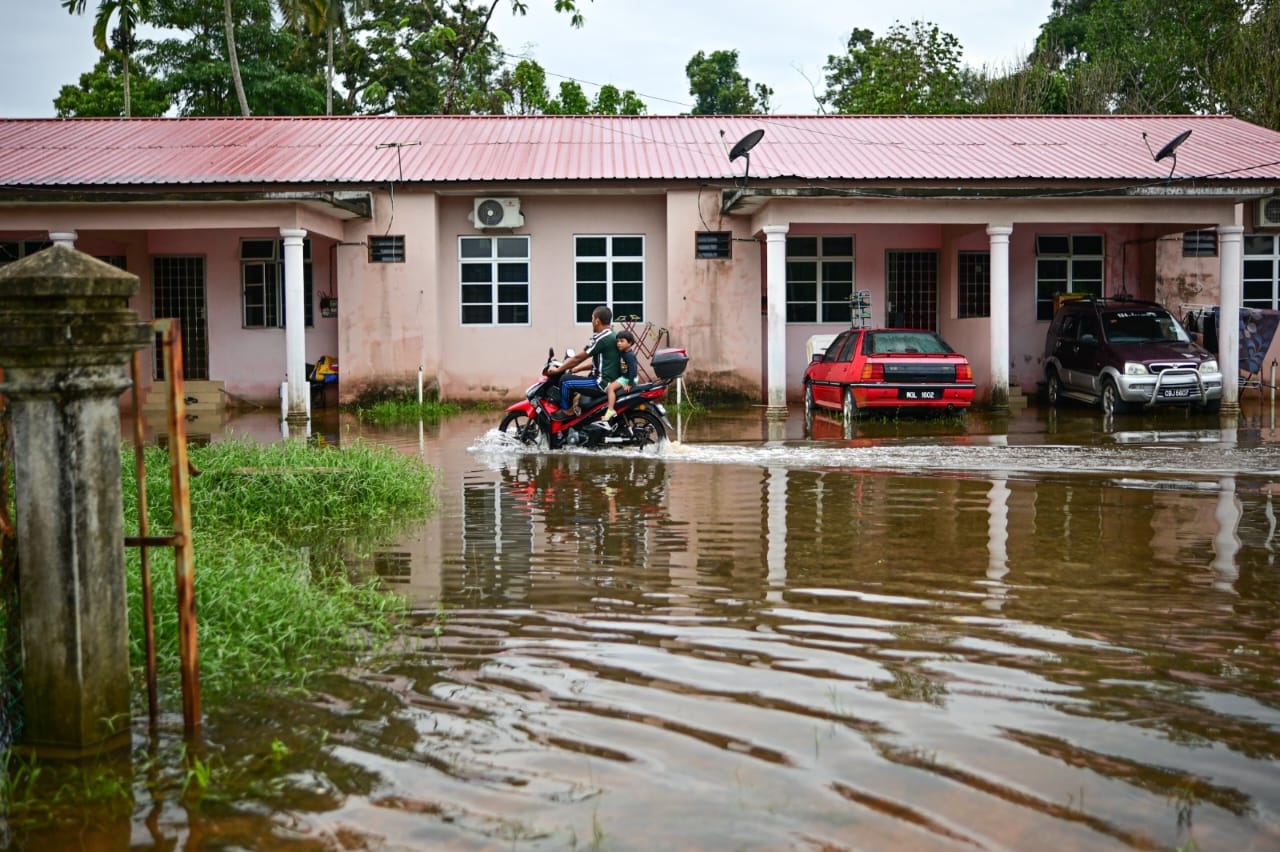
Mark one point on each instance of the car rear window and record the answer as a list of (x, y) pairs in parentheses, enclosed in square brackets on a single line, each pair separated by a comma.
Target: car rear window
[(914, 342)]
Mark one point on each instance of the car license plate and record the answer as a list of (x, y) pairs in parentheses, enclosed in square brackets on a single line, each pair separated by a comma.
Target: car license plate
[(919, 393), (1177, 393)]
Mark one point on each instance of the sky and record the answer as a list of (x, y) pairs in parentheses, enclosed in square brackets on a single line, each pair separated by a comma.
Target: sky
[(641, 45)]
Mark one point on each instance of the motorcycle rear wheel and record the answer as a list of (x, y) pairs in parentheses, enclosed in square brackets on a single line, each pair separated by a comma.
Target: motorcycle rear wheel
[(524, 429), (645, 429)]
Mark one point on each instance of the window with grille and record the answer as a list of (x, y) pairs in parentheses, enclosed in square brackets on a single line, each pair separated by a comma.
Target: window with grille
[(911, 289), (714, 245), (11, 250), (1067, 263), (262, 284), (1261, 286), (973, 284), (608, 270), (819, 278), (494, 276), (386, 249), (1200, 244)]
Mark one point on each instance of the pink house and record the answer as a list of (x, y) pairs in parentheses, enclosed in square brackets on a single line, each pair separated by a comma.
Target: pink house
[(465, 246)]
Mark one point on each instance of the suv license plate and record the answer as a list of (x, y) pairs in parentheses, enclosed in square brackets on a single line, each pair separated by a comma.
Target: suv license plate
[(1177, 393), (919, 393)]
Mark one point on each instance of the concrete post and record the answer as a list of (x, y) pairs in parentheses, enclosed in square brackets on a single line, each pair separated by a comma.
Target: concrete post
[(299, 398), (66, 333), (999, 240), (1231, 290), (776, 298)]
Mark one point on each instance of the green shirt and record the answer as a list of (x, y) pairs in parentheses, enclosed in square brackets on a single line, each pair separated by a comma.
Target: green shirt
[(606, 360)]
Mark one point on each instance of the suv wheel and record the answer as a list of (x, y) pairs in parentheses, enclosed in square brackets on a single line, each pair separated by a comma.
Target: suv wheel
[(1055, 389), (1110, 401)]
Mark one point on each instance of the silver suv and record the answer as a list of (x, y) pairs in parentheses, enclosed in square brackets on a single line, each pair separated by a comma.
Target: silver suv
[(1123, 354)]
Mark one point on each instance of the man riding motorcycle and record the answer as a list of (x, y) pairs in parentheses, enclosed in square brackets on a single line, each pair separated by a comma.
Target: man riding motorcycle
[(606, 364)]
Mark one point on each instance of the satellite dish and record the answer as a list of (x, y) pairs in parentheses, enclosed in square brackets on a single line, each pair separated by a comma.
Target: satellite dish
[(1172, 145), (746, 143)]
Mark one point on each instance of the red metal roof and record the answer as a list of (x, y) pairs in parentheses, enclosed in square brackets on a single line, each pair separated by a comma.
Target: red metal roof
[(449, 149)]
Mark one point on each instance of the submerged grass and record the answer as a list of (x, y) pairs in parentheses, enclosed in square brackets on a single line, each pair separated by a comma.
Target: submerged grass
[(395, 411), (275, 527)]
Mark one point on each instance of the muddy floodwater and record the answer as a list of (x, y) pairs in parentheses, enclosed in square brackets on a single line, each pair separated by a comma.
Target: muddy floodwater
[(1040, 632)]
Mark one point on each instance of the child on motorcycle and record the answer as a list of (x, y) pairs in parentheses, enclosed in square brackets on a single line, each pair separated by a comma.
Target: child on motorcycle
[(630, 371)]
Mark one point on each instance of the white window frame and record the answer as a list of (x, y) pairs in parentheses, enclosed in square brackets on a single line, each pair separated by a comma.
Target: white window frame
[(1076, 260), (825, 310), (612, 261), (271, 270), (501, 262), (1256, 259)]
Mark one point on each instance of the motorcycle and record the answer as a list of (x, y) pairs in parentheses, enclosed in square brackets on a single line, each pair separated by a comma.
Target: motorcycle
[(641, 419)]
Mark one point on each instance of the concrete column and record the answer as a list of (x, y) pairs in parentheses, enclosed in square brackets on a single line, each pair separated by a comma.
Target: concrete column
[(66, 334), (999, 326), (64, 238), (775, 237), (295, 333), (1231, 275)]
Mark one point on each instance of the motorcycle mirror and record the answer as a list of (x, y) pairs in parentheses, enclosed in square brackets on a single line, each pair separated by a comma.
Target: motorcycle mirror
[(551, 353), (569, 353)]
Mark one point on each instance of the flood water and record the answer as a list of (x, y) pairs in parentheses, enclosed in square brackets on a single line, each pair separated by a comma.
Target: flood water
[(1044, 631)]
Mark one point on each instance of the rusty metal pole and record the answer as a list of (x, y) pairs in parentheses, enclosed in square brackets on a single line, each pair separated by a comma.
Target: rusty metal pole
[(144, 524), (183, 552)]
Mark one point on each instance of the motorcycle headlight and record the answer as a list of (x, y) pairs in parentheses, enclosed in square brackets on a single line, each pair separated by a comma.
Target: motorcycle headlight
[(1210, 366), (1135, 368)]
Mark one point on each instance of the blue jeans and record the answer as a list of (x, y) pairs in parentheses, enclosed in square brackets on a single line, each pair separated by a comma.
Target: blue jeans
[(568, 387)]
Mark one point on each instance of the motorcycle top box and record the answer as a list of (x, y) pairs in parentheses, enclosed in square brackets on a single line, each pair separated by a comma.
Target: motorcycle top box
[(669, 363)]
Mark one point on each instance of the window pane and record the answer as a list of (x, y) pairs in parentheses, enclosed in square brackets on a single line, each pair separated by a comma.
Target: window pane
[(513, 247), (802, 246), (1086, 244), (628, 292), (583, 312), (592, 246), (476, 247), (512, 293), (476, 293), (257, 249), (513, 314), (1258, 269), (10, 251), (476, 272), (1053, 244), (1090, 270), (837, 270), (626, 271), (628, 246), (837, 291), (630, 311), (1259, 244), (512, 272), (1051, 270), (592, 271), (802, 313), (802, 291), (476, 315), (802, 271), (596, 294), (837, 246)]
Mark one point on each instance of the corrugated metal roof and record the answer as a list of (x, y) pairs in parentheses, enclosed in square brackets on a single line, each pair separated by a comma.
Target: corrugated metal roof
[(450, 149)]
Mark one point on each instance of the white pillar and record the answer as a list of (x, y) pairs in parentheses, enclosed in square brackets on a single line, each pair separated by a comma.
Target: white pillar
[(295, 336), (999, 325), (775, 237), (64, 238), (1231, 278)]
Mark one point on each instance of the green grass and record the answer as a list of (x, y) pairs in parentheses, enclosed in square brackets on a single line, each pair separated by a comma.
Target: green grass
[(395, 411), (275, 528)]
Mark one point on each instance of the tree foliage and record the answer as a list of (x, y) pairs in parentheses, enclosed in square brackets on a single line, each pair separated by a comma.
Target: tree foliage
[(100, 92), (527, 87), (914, 69), (719, 88)]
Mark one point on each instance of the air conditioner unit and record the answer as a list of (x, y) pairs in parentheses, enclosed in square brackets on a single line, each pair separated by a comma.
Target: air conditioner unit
[(1268, 212), (497, 213)]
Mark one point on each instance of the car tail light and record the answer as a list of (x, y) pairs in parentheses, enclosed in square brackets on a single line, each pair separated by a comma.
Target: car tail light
[(872, 372), (964, 373)]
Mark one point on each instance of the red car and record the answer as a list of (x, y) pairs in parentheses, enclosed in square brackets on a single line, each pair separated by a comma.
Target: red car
[(888, 368)]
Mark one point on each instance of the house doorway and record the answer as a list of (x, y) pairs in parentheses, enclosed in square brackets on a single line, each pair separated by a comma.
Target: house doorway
[(179, 286), (911, 289)]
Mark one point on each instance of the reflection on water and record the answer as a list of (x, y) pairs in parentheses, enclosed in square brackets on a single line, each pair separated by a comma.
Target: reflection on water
[(1046, 637)]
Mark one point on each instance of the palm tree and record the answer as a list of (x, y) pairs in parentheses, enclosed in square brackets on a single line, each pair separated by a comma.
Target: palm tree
[(322, 16), (130, 13), (229, 22)]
